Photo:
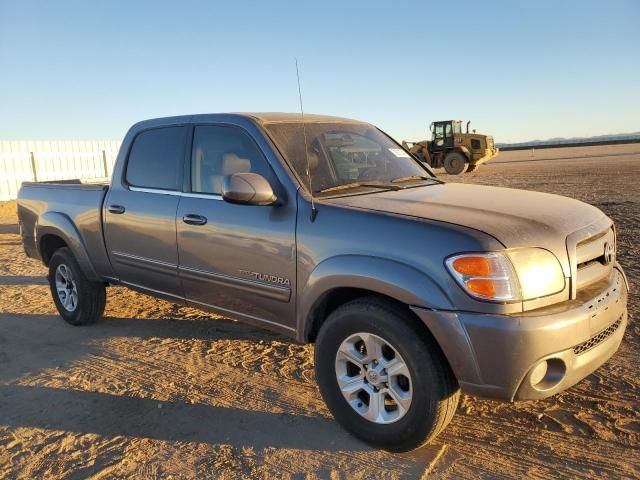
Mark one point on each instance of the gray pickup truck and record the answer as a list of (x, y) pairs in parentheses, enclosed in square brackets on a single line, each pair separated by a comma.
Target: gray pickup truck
[(328, 231)]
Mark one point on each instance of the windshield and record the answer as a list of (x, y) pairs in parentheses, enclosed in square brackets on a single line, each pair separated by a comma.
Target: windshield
[(351, 155)]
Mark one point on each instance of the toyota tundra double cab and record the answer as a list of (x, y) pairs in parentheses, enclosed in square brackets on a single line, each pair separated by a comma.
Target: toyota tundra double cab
[(327, 230)]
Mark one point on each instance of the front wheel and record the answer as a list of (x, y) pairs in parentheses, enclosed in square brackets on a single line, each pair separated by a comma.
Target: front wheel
[(78, 300), (455, 163), (383, 376)]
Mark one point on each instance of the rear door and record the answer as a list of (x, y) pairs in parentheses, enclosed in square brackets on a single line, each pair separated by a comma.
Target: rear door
[(238, 259), (140, 218)]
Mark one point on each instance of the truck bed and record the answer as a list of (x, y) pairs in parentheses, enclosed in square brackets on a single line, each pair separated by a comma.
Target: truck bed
[(78, 204)]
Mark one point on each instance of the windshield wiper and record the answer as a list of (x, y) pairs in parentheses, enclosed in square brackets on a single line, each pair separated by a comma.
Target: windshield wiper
[(414, 177), (339, 187), (359, 184)]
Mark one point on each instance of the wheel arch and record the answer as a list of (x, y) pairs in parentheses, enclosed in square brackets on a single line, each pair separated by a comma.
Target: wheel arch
[(465, 151), (56, 230), (48, 244), (341, 279)]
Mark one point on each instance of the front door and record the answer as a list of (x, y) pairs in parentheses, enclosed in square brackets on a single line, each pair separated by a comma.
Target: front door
[(237, 259), (442, 136), (140, 212)]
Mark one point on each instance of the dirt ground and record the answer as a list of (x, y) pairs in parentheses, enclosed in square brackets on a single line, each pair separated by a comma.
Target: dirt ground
[(161, 391)]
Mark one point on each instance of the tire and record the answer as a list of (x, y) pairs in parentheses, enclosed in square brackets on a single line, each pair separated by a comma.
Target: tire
[(432, 389), (455, 163), (78, 300)]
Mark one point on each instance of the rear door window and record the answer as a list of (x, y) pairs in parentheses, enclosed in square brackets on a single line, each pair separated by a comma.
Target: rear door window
[(156, 159)]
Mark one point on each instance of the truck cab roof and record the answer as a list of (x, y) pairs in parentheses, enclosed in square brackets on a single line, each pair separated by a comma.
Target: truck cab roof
[(262, 118)]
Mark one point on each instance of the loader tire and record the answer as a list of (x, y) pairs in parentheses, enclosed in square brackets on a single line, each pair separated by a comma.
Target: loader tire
[(455, 163)]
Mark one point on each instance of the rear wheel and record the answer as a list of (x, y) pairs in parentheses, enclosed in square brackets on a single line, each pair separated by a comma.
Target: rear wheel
[(383, 376), (78, 300), (455, 163)]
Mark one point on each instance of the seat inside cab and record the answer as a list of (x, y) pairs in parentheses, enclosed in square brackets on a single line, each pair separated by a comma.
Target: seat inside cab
[(210, 166)]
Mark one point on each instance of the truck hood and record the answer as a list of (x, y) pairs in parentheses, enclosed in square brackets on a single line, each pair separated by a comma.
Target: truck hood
[(516, 218)]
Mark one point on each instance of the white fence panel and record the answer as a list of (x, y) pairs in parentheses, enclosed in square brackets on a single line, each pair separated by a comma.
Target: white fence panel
[(53, 160)]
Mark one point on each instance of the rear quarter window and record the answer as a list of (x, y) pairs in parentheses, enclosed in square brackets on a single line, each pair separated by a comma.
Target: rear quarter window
[(156, 158)]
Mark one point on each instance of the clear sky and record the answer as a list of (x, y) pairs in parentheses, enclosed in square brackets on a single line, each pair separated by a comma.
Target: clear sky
[(520, 70)]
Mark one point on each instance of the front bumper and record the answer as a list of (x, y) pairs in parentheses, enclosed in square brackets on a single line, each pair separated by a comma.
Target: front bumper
[(500, 356)]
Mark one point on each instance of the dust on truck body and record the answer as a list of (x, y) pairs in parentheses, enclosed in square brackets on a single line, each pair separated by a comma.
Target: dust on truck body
[(412, 289)]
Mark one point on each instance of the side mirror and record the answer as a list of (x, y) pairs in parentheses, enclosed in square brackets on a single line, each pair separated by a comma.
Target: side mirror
[(247, 189)]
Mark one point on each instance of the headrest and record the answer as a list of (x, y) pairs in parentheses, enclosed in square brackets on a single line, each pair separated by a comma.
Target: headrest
[(231, 163)]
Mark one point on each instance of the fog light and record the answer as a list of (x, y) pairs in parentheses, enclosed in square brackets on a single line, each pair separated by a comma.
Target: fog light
[(547, 374), (538, 373)]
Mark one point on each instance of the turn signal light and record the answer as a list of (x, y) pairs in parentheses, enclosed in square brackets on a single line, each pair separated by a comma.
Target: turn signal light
[(487, 276), (483, 287), (472, 266)]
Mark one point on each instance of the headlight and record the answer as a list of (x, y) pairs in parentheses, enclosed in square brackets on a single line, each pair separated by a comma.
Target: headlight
[(512, 275), (539, 272)]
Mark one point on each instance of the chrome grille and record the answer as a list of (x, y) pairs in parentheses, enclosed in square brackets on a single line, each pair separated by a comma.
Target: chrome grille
[(598, 338), (595, 258)]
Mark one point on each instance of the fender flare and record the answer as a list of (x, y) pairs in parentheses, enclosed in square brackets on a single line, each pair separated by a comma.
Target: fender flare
[(60, 225), (465, 151), (387, 277)]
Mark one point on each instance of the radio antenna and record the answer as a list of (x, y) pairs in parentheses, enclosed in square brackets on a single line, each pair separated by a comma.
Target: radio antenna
[(314, 212)]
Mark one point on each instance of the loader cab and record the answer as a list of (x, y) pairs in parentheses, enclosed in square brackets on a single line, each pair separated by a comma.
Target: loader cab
[(443, 133)]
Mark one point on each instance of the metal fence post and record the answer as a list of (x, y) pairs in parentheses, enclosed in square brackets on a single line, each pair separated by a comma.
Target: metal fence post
[(33, 167), (104, 164)]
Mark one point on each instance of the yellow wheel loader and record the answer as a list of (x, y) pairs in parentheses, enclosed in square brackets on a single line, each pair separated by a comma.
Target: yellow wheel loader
[(457, 152)]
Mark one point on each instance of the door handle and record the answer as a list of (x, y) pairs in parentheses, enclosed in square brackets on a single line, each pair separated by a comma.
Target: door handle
[(117, 209), (192, 219)]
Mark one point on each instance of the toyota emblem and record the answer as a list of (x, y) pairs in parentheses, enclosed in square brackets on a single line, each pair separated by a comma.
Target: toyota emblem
[(608, 253)]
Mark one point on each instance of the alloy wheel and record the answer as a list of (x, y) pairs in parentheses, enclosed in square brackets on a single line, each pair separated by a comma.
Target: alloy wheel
[(66, 288), (373, 378)]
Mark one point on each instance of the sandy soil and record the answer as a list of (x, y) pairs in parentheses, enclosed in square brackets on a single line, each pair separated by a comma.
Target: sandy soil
[(159, 391)]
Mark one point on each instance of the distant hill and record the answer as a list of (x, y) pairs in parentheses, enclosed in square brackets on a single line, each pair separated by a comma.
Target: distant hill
[(574, 141)]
